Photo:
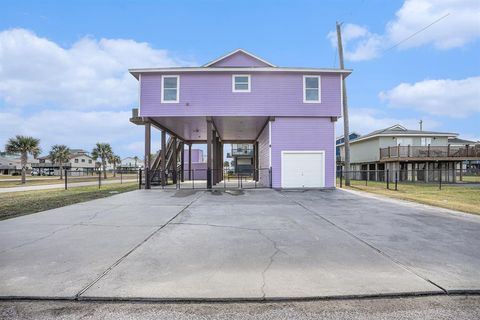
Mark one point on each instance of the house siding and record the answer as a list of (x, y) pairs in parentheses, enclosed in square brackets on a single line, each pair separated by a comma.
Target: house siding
[(303, 134), (264, 157), (272, 94), (239, 59)]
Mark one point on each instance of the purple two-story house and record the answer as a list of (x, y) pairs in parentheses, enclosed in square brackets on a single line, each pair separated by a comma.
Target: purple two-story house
[(288, 114)]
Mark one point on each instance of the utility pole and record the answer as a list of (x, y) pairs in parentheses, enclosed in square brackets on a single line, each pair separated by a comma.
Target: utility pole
[(421, 124), (346, 130)]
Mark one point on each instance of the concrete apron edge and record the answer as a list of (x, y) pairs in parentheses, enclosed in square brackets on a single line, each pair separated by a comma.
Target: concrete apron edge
[(467, 292)]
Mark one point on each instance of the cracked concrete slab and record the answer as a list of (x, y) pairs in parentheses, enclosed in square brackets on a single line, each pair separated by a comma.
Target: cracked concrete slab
[(154, 244), (438, 244), (240, 251), (59, 252)]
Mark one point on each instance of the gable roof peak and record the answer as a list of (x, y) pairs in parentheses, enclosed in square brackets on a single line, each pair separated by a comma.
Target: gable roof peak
[(237, 52), (396, 127)]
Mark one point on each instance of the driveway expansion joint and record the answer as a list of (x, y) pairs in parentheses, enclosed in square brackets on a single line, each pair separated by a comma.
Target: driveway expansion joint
[(116, 263), (398, 263)]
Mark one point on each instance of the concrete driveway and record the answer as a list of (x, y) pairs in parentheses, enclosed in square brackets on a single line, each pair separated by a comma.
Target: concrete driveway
[(259, 244)]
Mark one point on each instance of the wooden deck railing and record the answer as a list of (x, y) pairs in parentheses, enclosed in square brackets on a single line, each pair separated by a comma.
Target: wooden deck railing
[(430, 152)]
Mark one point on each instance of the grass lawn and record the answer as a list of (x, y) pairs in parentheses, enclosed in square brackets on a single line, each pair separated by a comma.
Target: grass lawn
[(35, 181), (457, 197), (15, 204)]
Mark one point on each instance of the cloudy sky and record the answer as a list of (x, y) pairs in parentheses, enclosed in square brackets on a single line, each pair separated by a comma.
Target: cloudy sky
[(63, 65)]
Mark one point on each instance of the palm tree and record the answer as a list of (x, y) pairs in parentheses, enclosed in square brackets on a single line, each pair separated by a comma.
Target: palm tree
[(60, 154), (114, 159), (104, 152), (24, 145), (136, 160)]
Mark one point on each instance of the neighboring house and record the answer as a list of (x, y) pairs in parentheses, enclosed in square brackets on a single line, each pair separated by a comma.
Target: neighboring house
[(12, 164), (415, 154), (287, 114), (79, 161), (340, 140), (243, 158), (198, 168), (9, 165), (130, 164), (467, 164)]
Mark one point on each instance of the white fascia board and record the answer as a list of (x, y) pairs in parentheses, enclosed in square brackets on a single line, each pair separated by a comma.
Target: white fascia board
[(136, 72)]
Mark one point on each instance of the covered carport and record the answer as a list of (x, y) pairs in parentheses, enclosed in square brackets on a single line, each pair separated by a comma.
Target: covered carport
[(215, 133)]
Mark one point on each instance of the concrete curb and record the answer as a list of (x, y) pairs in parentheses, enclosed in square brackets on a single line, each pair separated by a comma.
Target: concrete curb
[(473, 292)]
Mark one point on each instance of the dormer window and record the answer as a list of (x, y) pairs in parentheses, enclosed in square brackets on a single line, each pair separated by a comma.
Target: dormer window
[(170, 89), (241, 83), (311, 89)]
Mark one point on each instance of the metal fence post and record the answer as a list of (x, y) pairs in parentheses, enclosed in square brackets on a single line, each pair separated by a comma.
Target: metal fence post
[(121, 177), (440, 179), (99, 179), (139, 178), (341, 176), (66, 179), (396, 180), (270, 176), (388, 179)]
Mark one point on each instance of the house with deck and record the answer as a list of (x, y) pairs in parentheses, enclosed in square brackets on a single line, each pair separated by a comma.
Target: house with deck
[(80, 162), (415, 155), (287, 114)]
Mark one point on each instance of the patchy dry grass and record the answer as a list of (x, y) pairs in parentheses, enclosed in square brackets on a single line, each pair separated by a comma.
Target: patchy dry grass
[(456, 197), (15, 204), (36, 181)]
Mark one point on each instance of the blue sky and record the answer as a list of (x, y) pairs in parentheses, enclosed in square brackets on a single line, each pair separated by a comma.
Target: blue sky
[(63, 63)]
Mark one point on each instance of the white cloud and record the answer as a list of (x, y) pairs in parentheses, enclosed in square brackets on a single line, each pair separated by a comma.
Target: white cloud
[(461, 26), (75, 129), (366, 45), (90, 74), (366, 120), (454, 98), (76, 96)]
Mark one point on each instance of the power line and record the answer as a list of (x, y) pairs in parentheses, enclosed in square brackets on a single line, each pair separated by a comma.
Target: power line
[(414, 34)]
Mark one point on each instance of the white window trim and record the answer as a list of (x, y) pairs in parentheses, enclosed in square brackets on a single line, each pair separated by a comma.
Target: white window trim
[(319, 89), (249, 82), (178, 89)]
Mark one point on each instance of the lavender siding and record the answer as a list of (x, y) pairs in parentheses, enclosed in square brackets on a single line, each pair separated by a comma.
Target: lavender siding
[(239, 59), (199, 171), (210, 94), (264, 157), (303, 134), (197, 155), (199, 168)]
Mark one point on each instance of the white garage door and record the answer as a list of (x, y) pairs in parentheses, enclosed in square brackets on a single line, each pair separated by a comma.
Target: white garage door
[(303, 169)]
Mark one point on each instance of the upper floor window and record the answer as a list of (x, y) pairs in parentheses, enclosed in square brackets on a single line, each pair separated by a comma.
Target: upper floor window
[(311, 89), (170, 89), (76, 160), (425, 141), (405, 141), (241, 83), (89, 161), (83, 160)]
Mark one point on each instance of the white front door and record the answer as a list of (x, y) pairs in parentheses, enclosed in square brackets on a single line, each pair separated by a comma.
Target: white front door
[(303, 169)]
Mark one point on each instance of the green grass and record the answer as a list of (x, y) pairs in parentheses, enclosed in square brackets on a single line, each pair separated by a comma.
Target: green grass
[(36, 181), (456, 197), (14, 204)]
